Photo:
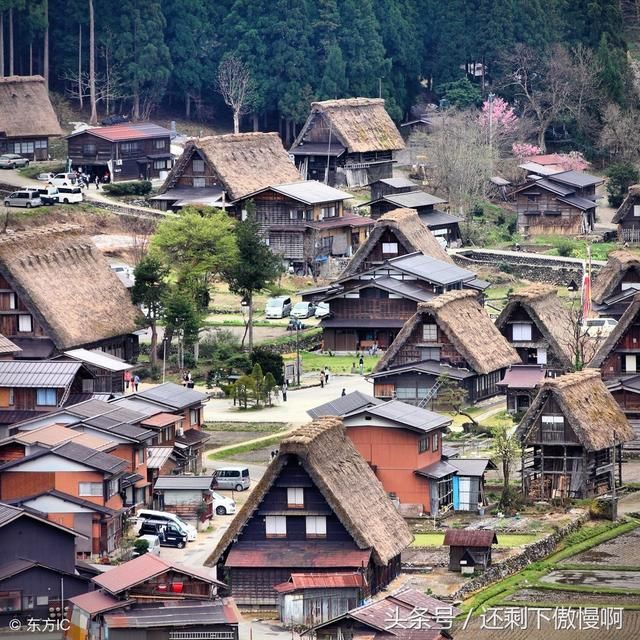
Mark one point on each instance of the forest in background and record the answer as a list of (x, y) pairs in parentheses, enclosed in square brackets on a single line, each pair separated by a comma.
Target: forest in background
[(165, 54)]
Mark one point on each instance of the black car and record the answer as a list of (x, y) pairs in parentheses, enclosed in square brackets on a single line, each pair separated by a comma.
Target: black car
[(169, 534), (114, 119)]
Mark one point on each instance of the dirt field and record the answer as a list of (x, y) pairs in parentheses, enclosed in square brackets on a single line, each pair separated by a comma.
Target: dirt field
[(572, 598), (623, 550)]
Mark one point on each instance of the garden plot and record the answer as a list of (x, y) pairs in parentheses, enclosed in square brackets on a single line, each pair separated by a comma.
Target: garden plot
[(621, 551), (556, 597), (594, 579)]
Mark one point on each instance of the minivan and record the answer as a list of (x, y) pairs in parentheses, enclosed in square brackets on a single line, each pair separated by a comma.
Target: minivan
[(49, 194), (23, 198), (599, 327), (169, 533), (70, 194), (165, 516), (232, 478), (64, 179), (278, 307)]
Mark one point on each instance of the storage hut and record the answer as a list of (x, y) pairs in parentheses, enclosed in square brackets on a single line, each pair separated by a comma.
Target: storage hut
[(469, 549)]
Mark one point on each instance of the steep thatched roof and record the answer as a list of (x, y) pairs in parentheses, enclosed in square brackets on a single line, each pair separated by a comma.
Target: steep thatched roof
[(244, 162), (588, 407), (632, 198), (549, 313), (361, 124), (345, 480), (629, 315), (25, 108), (411, 232), (67, 284), (618, 263), (467, 325)]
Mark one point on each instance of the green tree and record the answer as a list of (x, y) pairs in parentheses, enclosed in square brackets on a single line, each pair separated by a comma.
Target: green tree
[(334, 80), (507, 449), (270, 362), (254, 268), (148, 293), (613, 71), (461, 93), (621, 176), (181, 319)]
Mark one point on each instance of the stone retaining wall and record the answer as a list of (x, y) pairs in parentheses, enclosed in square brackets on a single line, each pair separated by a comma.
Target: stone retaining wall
[(305, 343), (556, 271), (531, 553)]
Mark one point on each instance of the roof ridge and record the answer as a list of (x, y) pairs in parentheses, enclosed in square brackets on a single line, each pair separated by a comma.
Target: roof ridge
[(37, 232)]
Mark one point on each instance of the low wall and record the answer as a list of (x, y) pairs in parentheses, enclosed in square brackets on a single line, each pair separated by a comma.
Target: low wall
[(531, 553), (547, 269)]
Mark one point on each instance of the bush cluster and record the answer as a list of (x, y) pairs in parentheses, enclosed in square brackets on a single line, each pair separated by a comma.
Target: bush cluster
[(137, 188)]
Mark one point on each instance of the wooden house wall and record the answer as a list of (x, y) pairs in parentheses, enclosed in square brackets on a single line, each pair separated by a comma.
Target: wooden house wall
[(615, 364), (188, 173), (538, 435), (628, 401), (373, 308), (378, 209), (411, 387), (16, 145), (377, 257), (567, 223), (380, 189)]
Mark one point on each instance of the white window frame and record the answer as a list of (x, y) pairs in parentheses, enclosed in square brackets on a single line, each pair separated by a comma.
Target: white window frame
[(275, 526), (521, 331), (429, 332), (47, 393), (13, 303), (541, 355), (199, 182), (92, 489), (625, 286), (316, 526), (295, 497), (636, 210), (390, 248), (546, 420), (22, 318), (630, 363), (200, 162)]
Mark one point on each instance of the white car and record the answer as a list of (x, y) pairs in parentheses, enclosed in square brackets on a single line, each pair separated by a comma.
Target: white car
[(64, 179), (45, 177), (222, 505), (599, 327), (322, 310), (303, 310), (154, 544)]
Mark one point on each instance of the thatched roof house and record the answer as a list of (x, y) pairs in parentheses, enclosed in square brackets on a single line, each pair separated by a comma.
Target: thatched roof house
[(338, 134), (627, 217), (27, 118), (67, 286), (614, 286), (402, 227), (237, 164), (361, 526), (572, 418), (549, 341)]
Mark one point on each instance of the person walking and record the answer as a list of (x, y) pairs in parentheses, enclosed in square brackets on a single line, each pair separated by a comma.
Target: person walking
[(97, 181), (322, 379), (344, 392), (326, 375), (136, 382), (284, 391), (361, 365), (127, 380)]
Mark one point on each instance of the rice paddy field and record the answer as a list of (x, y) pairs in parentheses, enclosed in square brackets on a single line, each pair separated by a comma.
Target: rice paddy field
[(436, 539)]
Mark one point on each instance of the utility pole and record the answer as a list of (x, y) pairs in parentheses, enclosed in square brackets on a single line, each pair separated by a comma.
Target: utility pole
[(164, 358), (614, 498), (490, 98), (297, 351)]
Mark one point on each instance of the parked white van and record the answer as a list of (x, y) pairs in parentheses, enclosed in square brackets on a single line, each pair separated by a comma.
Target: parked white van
[(69, 195), (49, 194), (278, 307), (236, 478), (64, 179), (150, 514)]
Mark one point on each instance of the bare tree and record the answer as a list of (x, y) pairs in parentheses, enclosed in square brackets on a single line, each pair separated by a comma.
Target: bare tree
[(106, 87), (582, 343), (236, 87), (585, 82), (619, 135), (93, 119)]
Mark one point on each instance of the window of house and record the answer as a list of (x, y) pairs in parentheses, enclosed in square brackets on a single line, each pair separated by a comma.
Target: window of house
[(430, 353), (25, 325), (160, 144), (46, 397), (90, 489), (532, 198), (636, 210), (88, 149), (552, 420), (390, 248), (12, 301), (199, 182), (194, 416), (87, 385), (6, 397), (522, 331), (295, 497), (406, 393), (430, 332), (435, 442), (631, 363), (10, 600), (128, 147), (198, 166), (112, 487), (159, 164), (28, 602), (316, 526), (142, 455), (276, 526), (23, 147), (625, 286), (541, 355), (327, 212), (423, 444), (41, 144)]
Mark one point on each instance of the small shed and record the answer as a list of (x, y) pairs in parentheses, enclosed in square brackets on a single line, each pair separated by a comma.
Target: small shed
[(313, 598), (184, 495), (469, 548)]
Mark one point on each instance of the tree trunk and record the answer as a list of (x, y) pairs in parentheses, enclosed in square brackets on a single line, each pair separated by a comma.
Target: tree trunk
[(236, 121), (136, 104), (250, 323), (256, 125), (505, 473), (187, 106), (11, 41), (45, 53), (93, 119), (541, 143), (80, 89), (1, 44), (153, 351)]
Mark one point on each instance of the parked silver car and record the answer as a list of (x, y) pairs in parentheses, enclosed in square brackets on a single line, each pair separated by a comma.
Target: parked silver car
[(24, 198), (12, 160)]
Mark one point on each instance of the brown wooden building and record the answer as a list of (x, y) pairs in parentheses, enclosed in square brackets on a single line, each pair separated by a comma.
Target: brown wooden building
[(127, 151), (305, 515), (27, 118), (617, 284), (627, 217), (558, 204), (450, 335), (568, 437), (469, 549), (538, 324), (57, 292), (347, 142)]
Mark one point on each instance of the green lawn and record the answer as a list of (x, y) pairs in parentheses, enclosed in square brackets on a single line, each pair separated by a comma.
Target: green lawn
[(314, 361), (259, 427), (574, 248), (504, 539)]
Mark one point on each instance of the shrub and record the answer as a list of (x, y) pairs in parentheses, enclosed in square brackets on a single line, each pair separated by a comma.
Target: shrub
[(270, 362), (565, 247), (141, 546), (137, 188), (621, 176)]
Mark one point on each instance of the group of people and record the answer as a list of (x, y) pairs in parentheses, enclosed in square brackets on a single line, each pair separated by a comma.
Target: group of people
[(131, 381), (324, 377), (187, 380), (85, 179)]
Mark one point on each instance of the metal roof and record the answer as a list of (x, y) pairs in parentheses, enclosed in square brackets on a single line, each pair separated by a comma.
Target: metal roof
[(65, 497), (55, 434), (127, 131), (546, 183), (413, 199), (540, 169), (343, 405), (158, 456), (344, 221), (162, 420), (437, 470), (336, 580), (406, 288), (96, 459), (135, 403), (584, 204), (431, 367), (311, 192), (407, 415), (470, 466), (523, 376), (335, 149), (6, 346), (397, 183), (383, 323), (48, 374), (8, 513), (469, 537), (184, 483), (192, 437), (96, 602), (428, 268), (99, 359), (577, 179), (436, 218), (172, 395)]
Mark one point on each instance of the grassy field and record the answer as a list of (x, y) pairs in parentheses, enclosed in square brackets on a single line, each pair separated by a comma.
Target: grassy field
[(260, 428), (313, 361), (230, 452), (574, 248), (504, 539)]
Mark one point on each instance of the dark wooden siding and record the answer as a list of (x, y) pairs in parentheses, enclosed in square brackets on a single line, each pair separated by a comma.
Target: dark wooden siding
[(534, 218), (373, 308)]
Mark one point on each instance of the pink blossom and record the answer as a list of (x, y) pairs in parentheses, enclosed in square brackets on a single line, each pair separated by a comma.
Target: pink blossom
[(525, 150), (499, 113)]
